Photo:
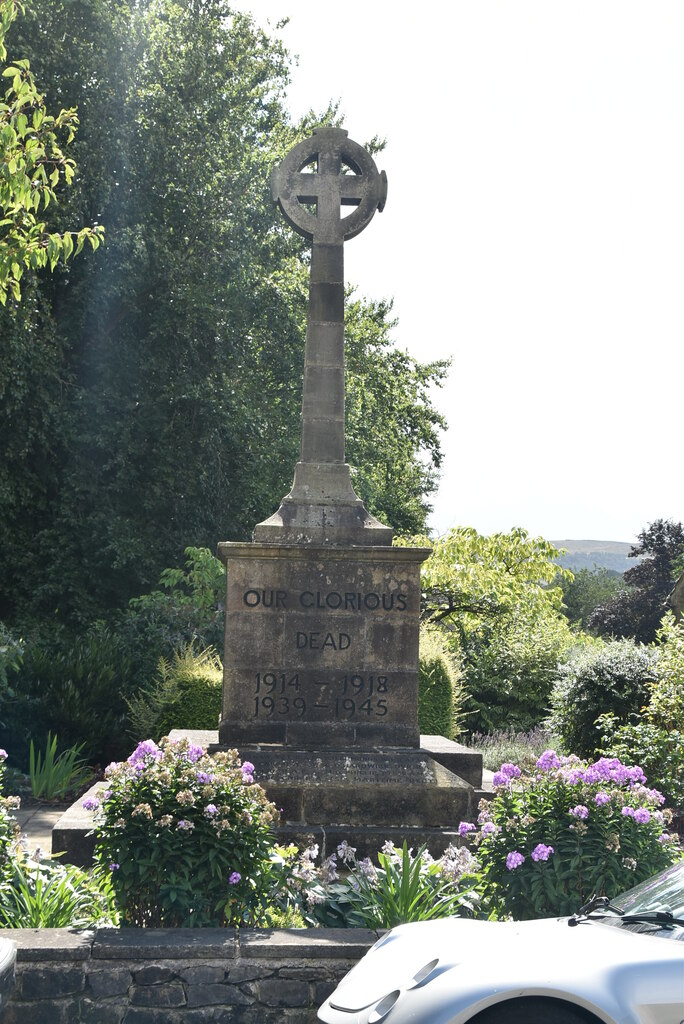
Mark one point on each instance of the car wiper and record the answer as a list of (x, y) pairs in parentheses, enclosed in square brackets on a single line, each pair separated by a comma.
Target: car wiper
[(595, 903), (653, 917)]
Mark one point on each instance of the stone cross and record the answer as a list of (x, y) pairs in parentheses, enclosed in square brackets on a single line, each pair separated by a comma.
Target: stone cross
[(322, 505)]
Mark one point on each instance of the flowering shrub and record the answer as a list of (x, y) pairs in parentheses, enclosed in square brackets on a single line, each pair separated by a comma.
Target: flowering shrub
[(8, 826), (185, 836), (346, 892), (552, 838)]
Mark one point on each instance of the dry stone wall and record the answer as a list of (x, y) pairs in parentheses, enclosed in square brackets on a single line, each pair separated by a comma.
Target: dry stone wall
[(180, 976)]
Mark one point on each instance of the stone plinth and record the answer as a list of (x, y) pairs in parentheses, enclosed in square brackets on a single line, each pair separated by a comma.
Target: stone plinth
[(321, 646)]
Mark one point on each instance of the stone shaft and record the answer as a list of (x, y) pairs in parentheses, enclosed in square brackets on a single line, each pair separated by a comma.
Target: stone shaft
[(323, 392)]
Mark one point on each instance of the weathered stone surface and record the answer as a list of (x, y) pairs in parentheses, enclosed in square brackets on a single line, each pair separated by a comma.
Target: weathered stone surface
[(240, 973), (50, 982), (112, 982), (163, 943), (459, 760), (204, 975), (153, 974), (322, 507), (317, 944), (321, 646), (166, 994), (49, 944), (98, 1012), (222, 995), (280, 992), (47, 1012)]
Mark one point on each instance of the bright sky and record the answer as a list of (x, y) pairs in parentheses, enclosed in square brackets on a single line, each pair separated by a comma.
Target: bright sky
[(534, 233)]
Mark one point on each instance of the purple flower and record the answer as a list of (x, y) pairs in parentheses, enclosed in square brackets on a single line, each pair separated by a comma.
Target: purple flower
[(235, 878), (204, 778), (642, 816), (194, 753), (148, 748), (113, 866), (465, 827), (3, 755), (210, 810), (602, 798), (489, 828), (580, 811), (91, 803), (548, 760), (514, 860), (511, 771), (185, 826), (499, 779), (542, 852), (247, 768), (627, 811)]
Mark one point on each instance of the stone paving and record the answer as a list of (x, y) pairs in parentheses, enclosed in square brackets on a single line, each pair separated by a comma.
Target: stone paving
[(36, 822)]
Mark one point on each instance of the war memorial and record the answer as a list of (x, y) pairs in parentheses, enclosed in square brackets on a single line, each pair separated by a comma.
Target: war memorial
[(320, 685)]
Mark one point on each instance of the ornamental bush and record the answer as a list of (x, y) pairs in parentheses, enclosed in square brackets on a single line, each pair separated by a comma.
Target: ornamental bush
[(440, 693), (186, 694), (551, 839), (656, 738), (185, 836), (611, 678)]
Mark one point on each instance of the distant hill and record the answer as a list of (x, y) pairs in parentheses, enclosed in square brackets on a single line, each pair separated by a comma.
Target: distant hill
[(589, 554)]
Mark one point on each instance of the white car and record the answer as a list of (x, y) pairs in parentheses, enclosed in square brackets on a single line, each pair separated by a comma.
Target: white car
[(617, 963)]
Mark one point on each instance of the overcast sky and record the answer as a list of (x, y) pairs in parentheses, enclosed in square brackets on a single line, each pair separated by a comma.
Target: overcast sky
[(534, 233)]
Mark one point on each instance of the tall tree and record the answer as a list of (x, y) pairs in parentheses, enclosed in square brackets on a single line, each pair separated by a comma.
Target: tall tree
[(33, 166), (637, 610), (152, 391)]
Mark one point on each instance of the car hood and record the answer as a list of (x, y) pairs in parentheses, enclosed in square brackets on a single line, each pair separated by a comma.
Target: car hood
[(496, 955)]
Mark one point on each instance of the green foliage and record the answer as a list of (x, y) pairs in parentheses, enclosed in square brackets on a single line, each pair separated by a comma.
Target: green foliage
[(392, 438), (75, 688), (186, 694), (440, 693), (47, 894), (9, 829), (510, 667), (551, 839), (151, 394), (659, 751), (655, 740), (11, 656), (666, 703), (185, 836), (188, 608), (403, 887), (498, 601), (588, 590), (636, 610), (507, 745), (612, 678), (54, 774), (32, 166), (469, 574)]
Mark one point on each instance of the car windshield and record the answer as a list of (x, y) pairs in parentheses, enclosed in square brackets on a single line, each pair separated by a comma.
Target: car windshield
[(661, 892)]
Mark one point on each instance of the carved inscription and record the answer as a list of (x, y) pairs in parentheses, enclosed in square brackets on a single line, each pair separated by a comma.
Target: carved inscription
[(330, 600), (338, 697)]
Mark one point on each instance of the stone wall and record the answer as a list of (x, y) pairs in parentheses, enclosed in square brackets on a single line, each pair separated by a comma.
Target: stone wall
[(179, 976)]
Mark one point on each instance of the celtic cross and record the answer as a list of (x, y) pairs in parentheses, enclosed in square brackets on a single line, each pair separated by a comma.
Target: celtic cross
[(316, 180)]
